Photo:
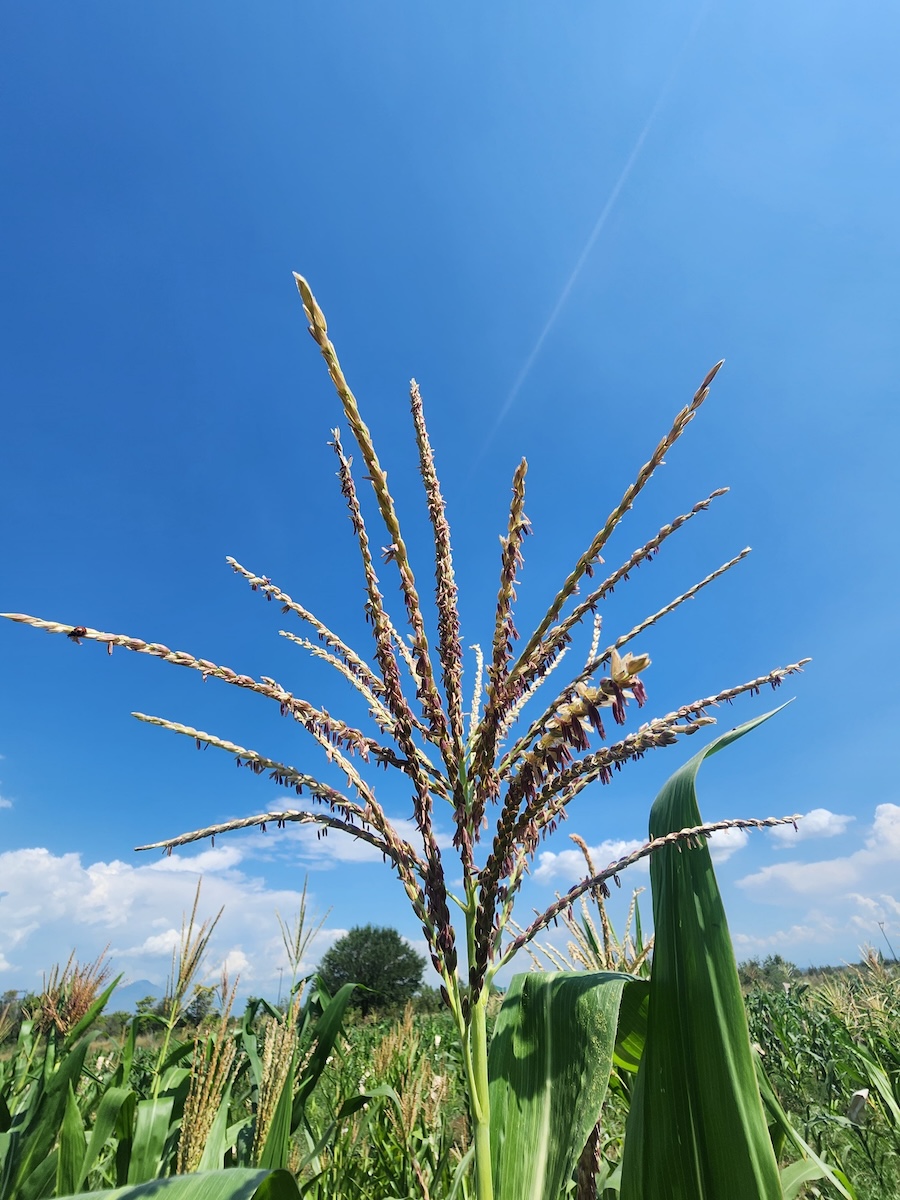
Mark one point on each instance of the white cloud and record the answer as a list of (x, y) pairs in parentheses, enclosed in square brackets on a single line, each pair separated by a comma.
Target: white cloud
[(156, 943), (217, 858), (817, 823), (850, 895), (570, 866), (725, 842), (787, 941), (5, 802), (51, 904), (879, 860)]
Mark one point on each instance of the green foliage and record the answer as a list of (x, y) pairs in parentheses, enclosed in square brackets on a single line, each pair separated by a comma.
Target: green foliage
[(72, 1119), (696, 1126), (823, 1043), (773, 971), (386, 969), (241, 1184), (549, 1066)]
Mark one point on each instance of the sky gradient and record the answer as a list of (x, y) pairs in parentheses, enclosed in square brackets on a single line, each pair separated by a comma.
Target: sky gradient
[(556, 219)]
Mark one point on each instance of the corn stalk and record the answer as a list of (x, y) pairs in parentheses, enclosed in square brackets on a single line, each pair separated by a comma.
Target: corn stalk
[(503, 771)]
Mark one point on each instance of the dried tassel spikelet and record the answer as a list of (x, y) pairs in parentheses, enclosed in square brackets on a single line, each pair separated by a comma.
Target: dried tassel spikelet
[(357, 666), (498, 700), (319, 331), (594, 664), (556, 637), (446, 594), (585, 564)]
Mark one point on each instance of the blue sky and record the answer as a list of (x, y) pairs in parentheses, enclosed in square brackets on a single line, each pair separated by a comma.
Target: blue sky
[(556, 218)]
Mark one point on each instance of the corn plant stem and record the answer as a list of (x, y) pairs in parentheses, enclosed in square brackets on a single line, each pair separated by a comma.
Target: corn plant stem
[(475, 1052), (164, 1050), (484, 1183)]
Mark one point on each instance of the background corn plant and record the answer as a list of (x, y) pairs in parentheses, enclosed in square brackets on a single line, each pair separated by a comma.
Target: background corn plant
[(489, 766), (235, 1094)]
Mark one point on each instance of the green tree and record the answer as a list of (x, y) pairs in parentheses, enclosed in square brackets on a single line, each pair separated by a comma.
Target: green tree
[(200, 1005), (378, 958)]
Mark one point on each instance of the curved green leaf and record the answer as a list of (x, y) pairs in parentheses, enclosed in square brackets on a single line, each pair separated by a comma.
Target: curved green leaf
[(151, 1130), (104, 1124), (696, 1128), (548, 1067), (71, 1147), (237, 1183)]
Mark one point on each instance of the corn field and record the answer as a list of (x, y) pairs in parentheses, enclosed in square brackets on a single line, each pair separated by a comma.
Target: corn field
[(382, 1108)]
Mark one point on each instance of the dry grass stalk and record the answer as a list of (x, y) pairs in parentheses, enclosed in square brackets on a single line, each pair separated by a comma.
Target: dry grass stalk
[(588, 948), (399, 1060), (210, 1074), (278, 1059), (187, 957), (296, 936), (66, 996)]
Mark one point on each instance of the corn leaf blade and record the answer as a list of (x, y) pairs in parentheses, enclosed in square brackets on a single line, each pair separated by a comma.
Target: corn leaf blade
[(71, 1147), (235, 1183), (696, 1129), (151, 1131), (548, 1067)]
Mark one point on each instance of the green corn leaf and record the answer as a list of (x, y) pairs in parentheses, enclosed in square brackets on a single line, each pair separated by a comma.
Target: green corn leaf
[(71, 1148), (36, 1129), (104, 1124), (151, 1131), (237, 1183), (41, 1182), (120, 1079), (548, 1067), (125, 1123), (632, 1028), (327, 1029), (880, 1082), (696, 1128)]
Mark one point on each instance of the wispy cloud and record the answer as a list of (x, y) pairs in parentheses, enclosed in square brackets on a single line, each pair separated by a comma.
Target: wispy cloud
[(569, 865), (598, 227), (817, 823), (855, 895)]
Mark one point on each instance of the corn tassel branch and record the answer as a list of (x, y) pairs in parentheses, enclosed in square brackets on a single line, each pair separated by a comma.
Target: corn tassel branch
[(528, 788)]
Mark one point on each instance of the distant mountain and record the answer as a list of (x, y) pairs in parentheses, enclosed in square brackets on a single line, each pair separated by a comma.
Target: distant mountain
[(126, 996)]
